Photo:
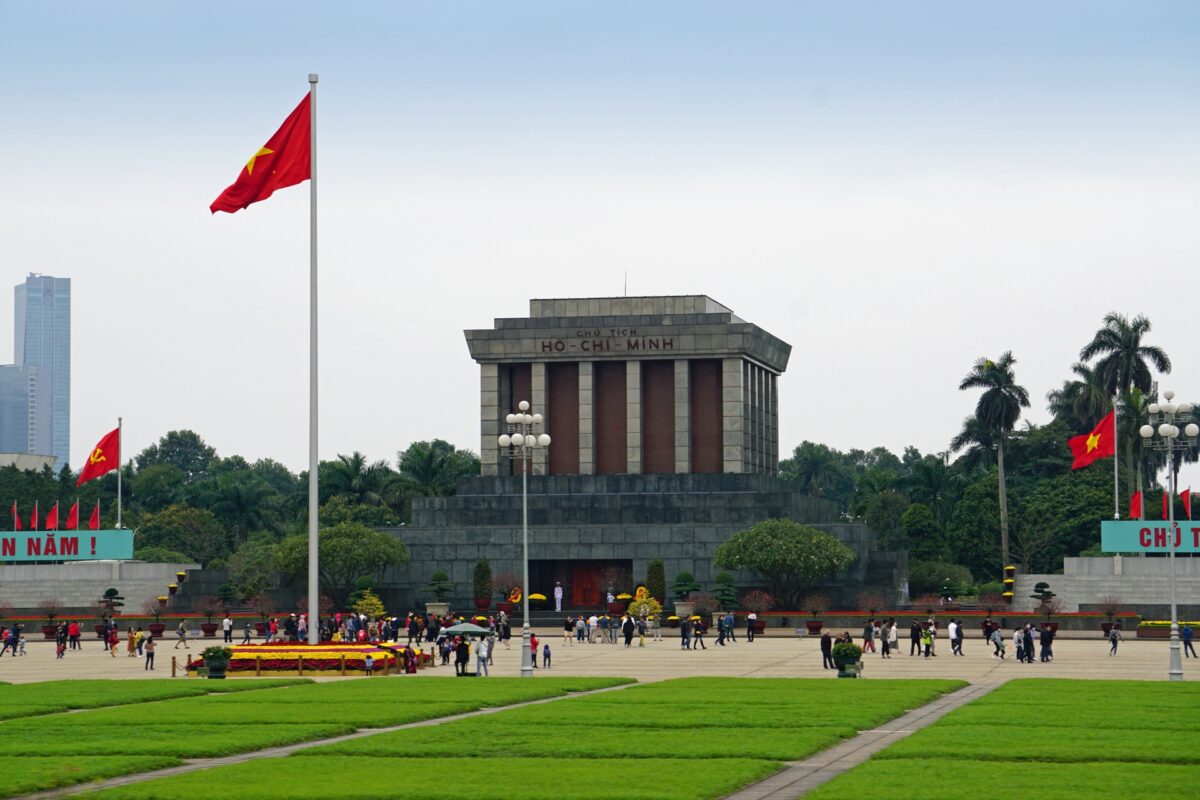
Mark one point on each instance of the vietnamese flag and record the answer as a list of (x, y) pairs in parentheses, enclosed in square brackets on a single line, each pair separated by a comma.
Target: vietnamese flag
[(1186, 496), (285, 160), (1135, 506), (16, 517), (94, 521), (1100, 443), (105, 457), (33, 521), (52, 518), (73, 517), (1166, 504)]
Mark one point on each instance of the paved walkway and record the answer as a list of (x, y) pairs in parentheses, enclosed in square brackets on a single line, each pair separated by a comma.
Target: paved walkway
[(798, 779)]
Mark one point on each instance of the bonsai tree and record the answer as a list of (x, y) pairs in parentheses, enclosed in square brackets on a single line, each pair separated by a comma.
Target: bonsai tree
[(871, 601), (483, 580), (789, 557), (1109, 607), (50, 609), (263, 605), (816, 604), (656, 579), (210, 606), (685, 584), (726, 592), (705, 604), (504, 582), (153, 608), (757, 601), (439, 586), (1049, 607), (370, 604), (112, 600), (991, 602)]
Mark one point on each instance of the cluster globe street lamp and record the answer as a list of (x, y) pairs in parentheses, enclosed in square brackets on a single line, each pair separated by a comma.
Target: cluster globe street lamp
[(1163, 433), (520, 442)]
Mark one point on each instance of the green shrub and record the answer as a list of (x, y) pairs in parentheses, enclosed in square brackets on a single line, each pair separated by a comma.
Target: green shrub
[(482, 580), (656, 580), (927, 577)]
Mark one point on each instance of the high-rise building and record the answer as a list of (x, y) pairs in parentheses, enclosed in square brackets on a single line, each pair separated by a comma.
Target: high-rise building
[(42, 361)]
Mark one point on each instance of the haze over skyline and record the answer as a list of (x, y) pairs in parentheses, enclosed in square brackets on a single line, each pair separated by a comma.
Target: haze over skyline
[(895, 193)]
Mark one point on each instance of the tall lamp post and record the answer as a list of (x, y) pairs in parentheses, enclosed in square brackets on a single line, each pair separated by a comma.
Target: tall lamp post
[(520, 442), (1165, 420)]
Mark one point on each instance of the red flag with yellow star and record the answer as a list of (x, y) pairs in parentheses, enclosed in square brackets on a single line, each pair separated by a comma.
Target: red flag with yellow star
[(283, 161), (105, 457), (1100, 443)]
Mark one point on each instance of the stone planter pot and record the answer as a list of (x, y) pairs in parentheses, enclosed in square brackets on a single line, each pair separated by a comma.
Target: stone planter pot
[(1154, 633), (209, 629), (216, 667), (760, 625), (437, 608), (260, 628), (684, 608), (156, 629), (814, 626), (848, 669), (483, 603), (48, 631), (672, 623)]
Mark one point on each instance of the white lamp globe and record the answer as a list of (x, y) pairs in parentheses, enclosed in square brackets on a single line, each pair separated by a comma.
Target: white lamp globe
[(544, 440), (1169, 408), (1146, 431), (531, 442), (527, 418), (1192, 430), (537, 419), (523, 405), (518, 440), (1185, 408), (504, 440), (1174, 430), (1170, 395), (511, 419), (1152, 408), (1164, 430)]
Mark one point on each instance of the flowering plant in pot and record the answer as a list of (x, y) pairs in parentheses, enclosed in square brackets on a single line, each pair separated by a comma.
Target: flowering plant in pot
[(209, 606), (816, 605), (216, 661), (508, 586), (847, 654), (1109, 606), (155, 609), (758, 602), (50, 609)]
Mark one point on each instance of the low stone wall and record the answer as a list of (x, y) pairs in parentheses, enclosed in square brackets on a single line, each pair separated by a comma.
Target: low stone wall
[(1141, 584), (79, 584)]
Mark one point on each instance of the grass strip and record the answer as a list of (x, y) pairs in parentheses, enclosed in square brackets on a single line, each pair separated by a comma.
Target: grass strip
[(491, 737), (1010, 743), (514, 779), (359, 715), (25, 774), (952, 779), (1060, 715), (181, 740), (50, 697)]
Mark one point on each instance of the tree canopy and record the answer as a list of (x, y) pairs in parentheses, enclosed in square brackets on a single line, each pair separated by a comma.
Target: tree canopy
[(789, 556)]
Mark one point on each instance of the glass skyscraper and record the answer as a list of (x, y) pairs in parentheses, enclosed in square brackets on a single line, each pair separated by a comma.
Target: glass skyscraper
[(41, 368)]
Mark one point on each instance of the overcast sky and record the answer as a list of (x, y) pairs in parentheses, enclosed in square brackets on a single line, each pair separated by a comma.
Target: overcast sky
[(895, 189)]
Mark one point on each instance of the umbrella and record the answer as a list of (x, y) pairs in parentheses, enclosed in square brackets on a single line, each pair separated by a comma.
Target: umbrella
[(465, 628)]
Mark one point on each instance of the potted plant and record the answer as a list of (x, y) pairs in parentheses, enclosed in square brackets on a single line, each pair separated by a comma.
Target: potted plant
[(209, 606), (1047, 609), (537, 599), (847, 657), (482, 582), (264, 606), (50, 609), (172, 588), (759, 602), (928, 603), (180, 576), (705, 605), (673, 621), (508, 586), (685, 584), (725, 591), (440, 587), (216, 661), (1109, 606), (871, 601), (155, 609), (816, 605)]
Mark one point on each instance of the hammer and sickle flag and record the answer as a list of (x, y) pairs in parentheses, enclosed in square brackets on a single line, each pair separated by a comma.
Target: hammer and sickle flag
[(105, 457), (283, 161)]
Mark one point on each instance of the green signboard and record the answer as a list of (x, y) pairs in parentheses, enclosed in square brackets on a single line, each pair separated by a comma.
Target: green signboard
[(19, 546), (1149, 536)]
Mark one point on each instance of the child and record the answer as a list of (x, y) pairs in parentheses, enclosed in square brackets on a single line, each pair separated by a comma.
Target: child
[(369, 662), (22, 645), (246, 634), (61, 649), (545, 655)]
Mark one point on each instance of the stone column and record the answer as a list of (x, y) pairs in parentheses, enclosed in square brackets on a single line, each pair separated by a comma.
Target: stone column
[(489, 418), (537, 382), (633, 416), (733, 427), (587, 451), (683, 418)]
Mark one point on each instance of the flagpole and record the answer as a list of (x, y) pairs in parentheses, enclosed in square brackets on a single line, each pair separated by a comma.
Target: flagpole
[(314, 616), (120, 435), (1116, 480)]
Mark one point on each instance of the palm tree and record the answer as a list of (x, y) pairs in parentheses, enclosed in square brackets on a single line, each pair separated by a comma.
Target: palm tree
[(354, 477), (932, 483), (1080, 403), (1122, 363), (997, 411), (432, 469), (979, 442)]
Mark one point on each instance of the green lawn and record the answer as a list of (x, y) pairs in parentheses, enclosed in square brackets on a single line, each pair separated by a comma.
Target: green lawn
[(182, 739), (50, 697), (1050, 739), (25, 774), (370, 778)]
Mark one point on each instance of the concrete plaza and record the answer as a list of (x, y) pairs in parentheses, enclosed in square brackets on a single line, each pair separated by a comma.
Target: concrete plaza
[(776, 656)]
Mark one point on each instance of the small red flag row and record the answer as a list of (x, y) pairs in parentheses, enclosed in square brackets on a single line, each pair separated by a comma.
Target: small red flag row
[(51, 521), (1135, 504)]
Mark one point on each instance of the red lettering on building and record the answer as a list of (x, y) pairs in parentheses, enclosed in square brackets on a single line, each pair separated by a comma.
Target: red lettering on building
[(33, 547), (1144, 537), (68, 546), (8, 547), (51, 548), (1160, 537)]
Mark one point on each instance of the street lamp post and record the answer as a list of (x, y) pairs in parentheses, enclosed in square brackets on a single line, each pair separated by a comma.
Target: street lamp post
[(1167, 417), (520, 442)]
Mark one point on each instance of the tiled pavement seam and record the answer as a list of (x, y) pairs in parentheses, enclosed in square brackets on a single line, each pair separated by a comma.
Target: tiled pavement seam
[(798, 779), (192, 765)]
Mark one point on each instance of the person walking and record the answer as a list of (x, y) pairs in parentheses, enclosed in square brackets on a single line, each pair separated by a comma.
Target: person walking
[(246, 633), (868, 637), (482, 651), (1114, 637), (927, 641), (227, 628), (751, 620), (952, 633), (698, 635), (150, 647), (1046, 638), (893, 635), (685, 631), (568, 629), (1187, 636), (131, 643), (827, 651), (914, 638), (998, 643), (627, 628), (883, 636), (1029, 643), (181, 635)]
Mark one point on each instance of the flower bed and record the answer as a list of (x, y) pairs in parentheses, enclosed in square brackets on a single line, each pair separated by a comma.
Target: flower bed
[(325, 658)]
